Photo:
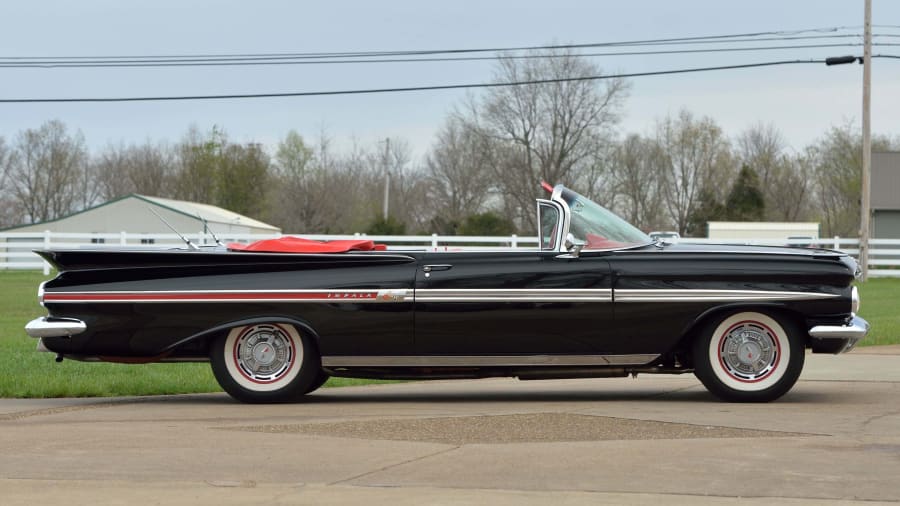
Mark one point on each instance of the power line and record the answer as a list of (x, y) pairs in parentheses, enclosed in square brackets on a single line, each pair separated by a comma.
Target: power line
[(408, 89), (424, 60), (723, 38), (242, 62)]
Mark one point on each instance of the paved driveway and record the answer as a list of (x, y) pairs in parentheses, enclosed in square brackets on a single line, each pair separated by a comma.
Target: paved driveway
[(835, 438)]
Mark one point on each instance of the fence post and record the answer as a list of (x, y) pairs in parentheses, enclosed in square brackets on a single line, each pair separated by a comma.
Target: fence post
[(837, 242), (515, 241), (46, 246), (123, 238)]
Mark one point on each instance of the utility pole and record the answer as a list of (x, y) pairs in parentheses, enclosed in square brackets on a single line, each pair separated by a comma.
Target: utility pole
[(865, 211), (387, 175)]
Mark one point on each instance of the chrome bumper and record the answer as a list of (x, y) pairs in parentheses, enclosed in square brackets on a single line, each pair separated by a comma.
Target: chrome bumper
[(46, 326), (853, 332)]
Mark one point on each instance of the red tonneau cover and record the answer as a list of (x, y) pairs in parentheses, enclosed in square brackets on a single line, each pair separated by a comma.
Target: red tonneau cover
[(290, 244)]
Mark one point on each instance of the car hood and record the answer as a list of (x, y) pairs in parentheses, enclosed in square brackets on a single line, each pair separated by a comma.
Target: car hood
[(748, 249)]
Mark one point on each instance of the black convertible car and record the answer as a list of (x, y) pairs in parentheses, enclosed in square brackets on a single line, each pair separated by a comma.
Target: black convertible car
[(597, 298)]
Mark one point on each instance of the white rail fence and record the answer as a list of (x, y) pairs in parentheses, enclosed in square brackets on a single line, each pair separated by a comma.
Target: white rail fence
[(17, 249)]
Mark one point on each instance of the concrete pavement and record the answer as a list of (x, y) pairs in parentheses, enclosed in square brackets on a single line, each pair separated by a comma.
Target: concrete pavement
[(834, 439)]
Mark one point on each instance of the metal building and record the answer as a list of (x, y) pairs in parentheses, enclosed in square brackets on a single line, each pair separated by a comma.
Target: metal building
[(885, 197)]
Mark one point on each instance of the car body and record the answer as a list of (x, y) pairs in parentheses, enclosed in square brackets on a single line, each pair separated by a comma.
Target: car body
[(597, 298)]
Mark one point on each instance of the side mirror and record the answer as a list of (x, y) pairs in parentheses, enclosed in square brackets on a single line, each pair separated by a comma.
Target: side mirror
[(573, 245)]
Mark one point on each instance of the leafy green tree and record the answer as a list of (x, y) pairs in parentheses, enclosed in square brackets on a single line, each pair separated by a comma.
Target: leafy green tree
[(745, 201), (243, 173), (199, 156), (707, 209)]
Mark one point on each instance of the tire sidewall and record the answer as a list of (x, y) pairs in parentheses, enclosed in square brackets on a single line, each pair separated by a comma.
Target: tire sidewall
[(287, 387), (712, 372)]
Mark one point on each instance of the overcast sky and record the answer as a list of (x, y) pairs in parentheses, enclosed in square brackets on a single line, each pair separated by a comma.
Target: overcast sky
[(801, 100)]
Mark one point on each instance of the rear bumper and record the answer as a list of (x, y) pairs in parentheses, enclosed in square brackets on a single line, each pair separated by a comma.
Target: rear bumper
[(850, 333), (47, 326)]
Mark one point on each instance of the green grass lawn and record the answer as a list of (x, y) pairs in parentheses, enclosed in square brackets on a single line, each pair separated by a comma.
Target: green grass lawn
[(879, 306), (27, 373)]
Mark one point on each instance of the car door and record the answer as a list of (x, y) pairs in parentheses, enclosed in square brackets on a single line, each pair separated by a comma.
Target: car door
[(511, 303)]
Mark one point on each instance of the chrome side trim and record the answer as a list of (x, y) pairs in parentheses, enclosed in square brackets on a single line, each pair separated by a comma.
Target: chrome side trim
[(486, 361), (319, 295), (686, 295), (46, 326), (434, 295), (514, 295)]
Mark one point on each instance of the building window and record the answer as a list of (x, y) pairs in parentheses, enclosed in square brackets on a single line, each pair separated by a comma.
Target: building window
[(98, 240), (148, 241)]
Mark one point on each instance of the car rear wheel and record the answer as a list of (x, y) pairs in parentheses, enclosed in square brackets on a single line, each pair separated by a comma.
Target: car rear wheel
[(748, 357), (265, 362)]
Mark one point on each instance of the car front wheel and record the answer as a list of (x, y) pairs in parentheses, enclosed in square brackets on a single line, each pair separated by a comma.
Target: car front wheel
[(748, 357), (265, 363)]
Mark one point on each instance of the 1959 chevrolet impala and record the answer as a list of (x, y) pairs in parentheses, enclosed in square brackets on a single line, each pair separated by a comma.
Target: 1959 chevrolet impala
[(597, 298)]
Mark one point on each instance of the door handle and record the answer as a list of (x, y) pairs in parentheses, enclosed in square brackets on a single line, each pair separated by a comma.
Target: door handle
[(437, 267)]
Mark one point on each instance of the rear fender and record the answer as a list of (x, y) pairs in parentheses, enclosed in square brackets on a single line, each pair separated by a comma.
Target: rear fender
[(303, 326)]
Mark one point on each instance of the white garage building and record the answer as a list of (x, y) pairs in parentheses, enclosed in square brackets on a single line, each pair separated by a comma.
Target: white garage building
[(133, 214), (130, 221)]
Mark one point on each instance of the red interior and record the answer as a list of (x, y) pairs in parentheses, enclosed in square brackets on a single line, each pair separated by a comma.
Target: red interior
[(600, 242), (290, 244)]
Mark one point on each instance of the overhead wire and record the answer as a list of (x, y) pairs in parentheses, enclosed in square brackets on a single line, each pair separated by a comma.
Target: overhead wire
[(416, 56), (265, 61), (411, 88), (780, 35)]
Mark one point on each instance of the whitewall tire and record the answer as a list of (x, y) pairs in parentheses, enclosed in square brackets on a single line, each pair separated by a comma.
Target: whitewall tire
[(265, 362), (748, 357)]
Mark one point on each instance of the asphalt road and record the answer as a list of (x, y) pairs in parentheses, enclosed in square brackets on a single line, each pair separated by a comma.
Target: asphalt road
[(835, 439)]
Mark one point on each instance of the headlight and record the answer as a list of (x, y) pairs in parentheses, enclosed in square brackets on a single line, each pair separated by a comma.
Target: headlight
[(854, 300)]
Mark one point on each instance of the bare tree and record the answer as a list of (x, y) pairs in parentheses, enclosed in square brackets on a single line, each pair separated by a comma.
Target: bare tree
[(390, 162), (9, 214), (639, 184), (696, 156), (551, 131), (45, 173), (459, 171), (790, 187), (783, 179), (306, 187)]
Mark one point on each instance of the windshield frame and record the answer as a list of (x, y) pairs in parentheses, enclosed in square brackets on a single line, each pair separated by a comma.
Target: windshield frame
[(566, 222)]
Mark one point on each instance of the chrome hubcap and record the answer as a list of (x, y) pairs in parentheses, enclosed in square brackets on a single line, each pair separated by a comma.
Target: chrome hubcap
[(749, 351), (264, 353)]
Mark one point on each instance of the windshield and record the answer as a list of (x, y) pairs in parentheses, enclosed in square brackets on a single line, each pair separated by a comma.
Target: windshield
[(599, 227)]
